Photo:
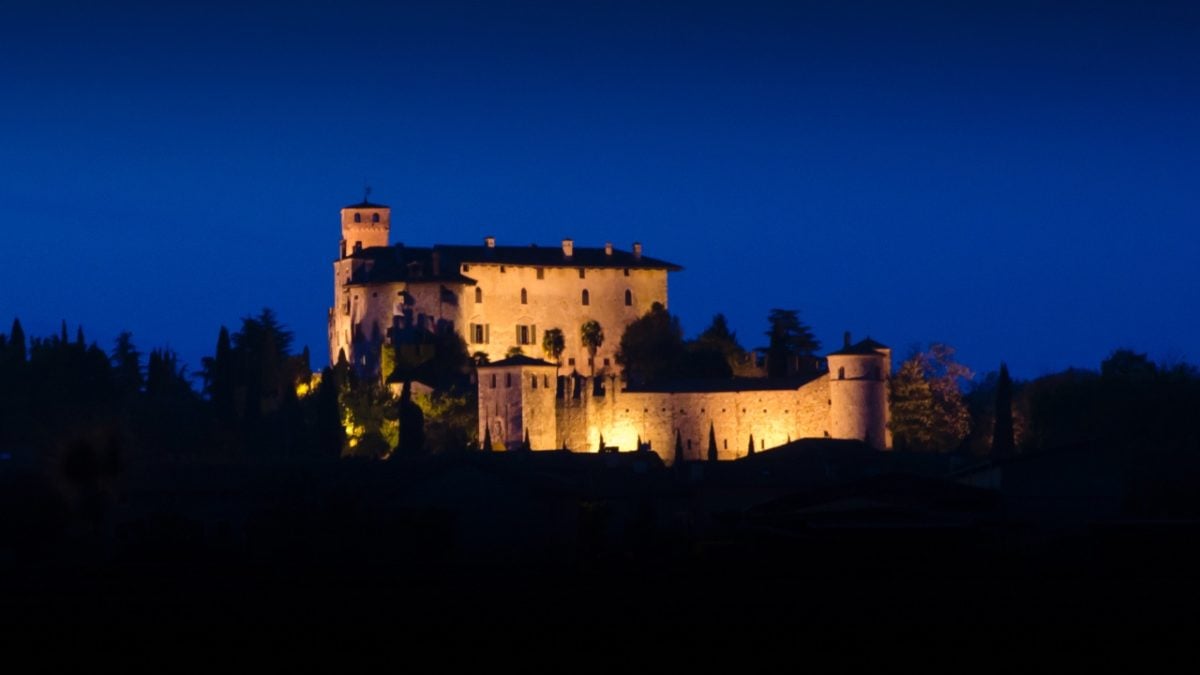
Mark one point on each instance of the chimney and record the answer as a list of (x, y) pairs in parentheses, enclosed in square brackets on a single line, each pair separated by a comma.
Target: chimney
[(490, 242), (608, 248), (436, 257), (637, 250), (846, 339), (568, 248)]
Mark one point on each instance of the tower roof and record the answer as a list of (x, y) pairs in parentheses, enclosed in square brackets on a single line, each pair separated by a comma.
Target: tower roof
[(517, 360), (364, 204), (867, 347)]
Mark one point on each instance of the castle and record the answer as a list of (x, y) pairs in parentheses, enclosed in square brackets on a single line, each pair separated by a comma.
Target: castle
[(500, 297)]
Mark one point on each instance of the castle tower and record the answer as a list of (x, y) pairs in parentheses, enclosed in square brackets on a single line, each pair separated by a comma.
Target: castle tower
[(364, 225), (858, 392), (517, 397)]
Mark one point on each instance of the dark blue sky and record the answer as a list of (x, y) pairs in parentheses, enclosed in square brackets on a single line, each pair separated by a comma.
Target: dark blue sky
[(1016, 179)]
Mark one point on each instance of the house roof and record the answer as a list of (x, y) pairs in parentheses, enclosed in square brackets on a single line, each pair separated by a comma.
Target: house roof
[(402, 263), (517, 360), (551, 256)]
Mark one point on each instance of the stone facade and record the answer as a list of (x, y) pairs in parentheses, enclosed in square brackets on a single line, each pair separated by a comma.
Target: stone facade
[(850, 401), (494, 297)]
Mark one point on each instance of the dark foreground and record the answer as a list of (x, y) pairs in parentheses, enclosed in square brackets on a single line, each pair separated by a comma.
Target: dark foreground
[(831, 537)]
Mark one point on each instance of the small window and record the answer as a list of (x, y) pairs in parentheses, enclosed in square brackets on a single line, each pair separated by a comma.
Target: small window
[(582, 273), (502, 269), (628, 298), (508, 379), (478, 295), (606, 362), (493, 380), (546, 381), (524, 297), (626, 271), (533, 382), (466, 268), (586, 297), (541, 273), (374, 217), (358, 217), (841, 373), (571, 361)]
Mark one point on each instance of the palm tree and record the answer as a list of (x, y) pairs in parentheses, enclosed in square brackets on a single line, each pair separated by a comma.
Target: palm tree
[(591, 334), (553, 343)]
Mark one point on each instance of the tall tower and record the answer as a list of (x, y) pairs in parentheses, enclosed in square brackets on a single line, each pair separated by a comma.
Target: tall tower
[(364, 225), (858, 392)]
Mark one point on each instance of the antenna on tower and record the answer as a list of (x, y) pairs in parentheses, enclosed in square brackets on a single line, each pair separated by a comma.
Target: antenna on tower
[(366, 192)]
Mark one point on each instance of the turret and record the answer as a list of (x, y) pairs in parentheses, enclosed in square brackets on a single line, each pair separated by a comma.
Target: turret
[(858, 392), (364, 225)]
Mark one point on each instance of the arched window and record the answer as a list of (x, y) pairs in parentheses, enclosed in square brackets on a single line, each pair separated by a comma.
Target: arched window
[(586, 297), (374, 217), (358, 217), (628, 298), (478, 295), (524, 297)]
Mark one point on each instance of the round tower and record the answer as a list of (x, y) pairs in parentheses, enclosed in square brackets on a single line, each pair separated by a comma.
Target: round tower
[(364, 225), (858, 392)]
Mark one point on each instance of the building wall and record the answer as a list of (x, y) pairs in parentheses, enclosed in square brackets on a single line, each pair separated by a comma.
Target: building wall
[(858, 397), (555, 301), (516, 399)]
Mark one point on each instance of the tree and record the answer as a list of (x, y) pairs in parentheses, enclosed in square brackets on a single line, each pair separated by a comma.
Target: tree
[(127, 365), (591, 335), (750, 447), (717, 338), (712, 443), (651, 346), (16, 342), (1003, 443), (678, 449), (790, 341), (411, 438), (553, 344), (928, 411), (487, 438)]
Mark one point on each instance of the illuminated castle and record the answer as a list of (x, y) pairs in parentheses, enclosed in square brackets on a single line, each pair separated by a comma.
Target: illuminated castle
[(500, 297)]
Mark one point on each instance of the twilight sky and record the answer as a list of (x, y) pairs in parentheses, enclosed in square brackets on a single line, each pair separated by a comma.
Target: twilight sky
[(1017, 179)]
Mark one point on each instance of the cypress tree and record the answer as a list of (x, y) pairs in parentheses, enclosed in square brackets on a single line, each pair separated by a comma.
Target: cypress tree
[(678, 449), (16, 342), (1003, 444), (525, 444), (601, 442), (487, 438), (712, 443), (750, 448)]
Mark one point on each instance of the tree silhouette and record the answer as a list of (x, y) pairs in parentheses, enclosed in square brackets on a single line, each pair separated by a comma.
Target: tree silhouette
[(1002, 436), (678, 449), (790, 340), (712, 443), (127, 365), (591, 335), (16, 342), (487, 438), (651, 346), (750, 447)]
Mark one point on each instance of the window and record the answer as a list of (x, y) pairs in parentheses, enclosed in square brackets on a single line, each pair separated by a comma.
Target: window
[(571, 361), (606, 362), (533, 382), (478, 295), (546, 381), (526, 334), (358, 217), (586, 297), (841, 373), (582, 273), (508, 379), (524, 297), (493, 380), (502, 269), (541, 273), (479, 333), (374, 217), (466, 268), (628, 298)]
